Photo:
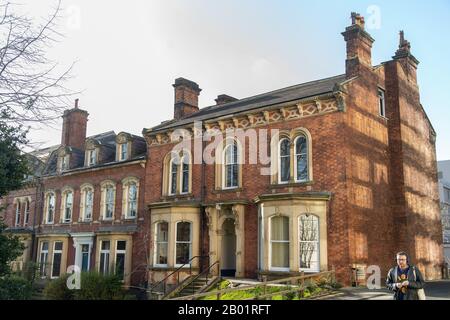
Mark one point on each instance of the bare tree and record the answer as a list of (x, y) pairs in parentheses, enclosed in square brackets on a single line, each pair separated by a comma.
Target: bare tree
[(31, 86)]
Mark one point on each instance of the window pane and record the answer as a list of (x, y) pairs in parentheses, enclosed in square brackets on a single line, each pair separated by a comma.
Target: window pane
[(58, 246), (162, 231), (120, 265), (84, 257), (44, 245), (104, 262), (109, 202), (280, 255), (308, 255), (183, 231), (183, 253), (43, 264), (185, 186), (279, 229), (56, 270), (161, 253), (309, 242), (174, 174), (121, 245), (285, 160), (309, 228), (302, 168), (106, 245)]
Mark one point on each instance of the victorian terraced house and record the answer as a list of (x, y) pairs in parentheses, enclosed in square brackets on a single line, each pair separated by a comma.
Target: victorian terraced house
[(350, 179)]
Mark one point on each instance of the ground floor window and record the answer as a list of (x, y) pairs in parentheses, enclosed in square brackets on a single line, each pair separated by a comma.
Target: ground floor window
[(183, 243), (309, 243), (279, 243), (120, 259), (43, 259), (57, 257), (104, 257), (85, 252)]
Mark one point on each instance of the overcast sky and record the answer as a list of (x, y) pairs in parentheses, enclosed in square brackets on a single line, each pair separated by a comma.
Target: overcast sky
[(130, 52)]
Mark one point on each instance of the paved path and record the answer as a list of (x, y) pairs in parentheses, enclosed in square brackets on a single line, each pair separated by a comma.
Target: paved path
[(435, 290)]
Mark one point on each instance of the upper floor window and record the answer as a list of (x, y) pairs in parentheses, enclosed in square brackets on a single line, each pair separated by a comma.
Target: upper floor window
[(92, 157), (285, 161), (381, 102), (27, 212), (108, 200), (301, 159), (65, 161), (49, 208), (87, 203), (18, 209), (123, 155), (231, 166), (67, 206), (177, 173), (447, 195), (130, 196), (291, 161)]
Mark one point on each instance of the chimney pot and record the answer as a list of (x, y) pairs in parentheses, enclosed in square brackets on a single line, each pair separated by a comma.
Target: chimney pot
[(223, 98)]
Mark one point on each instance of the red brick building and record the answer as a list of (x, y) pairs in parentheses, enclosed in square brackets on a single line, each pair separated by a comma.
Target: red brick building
[(343, 176), (352, 175)]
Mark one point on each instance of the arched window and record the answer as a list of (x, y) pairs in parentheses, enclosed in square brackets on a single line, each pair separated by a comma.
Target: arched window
[(87, 203), (285, 161), (132, 200), (279, 243), (18, 209), (301, 159), (49, 208), (108, 199), (26, 218), (231, 166), (162, 243), (185, 162), (173, 176), (67, 206), (309, 243), (183, 247)]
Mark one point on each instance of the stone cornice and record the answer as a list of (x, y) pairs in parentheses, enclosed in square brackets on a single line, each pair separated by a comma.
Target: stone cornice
[(324, 196), (300, 109)]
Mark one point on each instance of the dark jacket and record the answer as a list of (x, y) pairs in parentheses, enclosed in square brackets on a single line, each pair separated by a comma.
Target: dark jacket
[(415, 283)]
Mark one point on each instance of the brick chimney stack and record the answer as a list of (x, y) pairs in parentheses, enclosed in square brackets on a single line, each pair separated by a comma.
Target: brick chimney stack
[(74, 127), (223, 98), (186, 97), (405, 57), (359, 46)]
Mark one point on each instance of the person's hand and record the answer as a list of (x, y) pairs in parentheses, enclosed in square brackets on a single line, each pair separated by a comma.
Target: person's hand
[(405, 283), (398, 285)]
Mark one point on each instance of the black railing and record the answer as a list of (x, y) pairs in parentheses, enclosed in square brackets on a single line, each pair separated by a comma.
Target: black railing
[(163, 282), (205, 273)]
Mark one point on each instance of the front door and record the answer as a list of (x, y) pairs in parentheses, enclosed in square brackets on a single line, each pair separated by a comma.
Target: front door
[(228, 259)]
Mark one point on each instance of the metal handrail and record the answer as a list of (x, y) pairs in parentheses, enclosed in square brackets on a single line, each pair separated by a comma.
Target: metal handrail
[(164, 281), (200, 274)]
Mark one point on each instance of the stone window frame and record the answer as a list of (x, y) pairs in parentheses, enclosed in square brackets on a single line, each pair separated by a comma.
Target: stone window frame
[(18, 211), (126, 183), (191, 224), (26, 211), (220, 153), (173, 215), (84, 188), (113, 238), (278, 269), (89, 153), (64, 193), (104, 187), (46, 206), (292, 136), (49, 264), (123, 139), (167, 173), (317, 241)]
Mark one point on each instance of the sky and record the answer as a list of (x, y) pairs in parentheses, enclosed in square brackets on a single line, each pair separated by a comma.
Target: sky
[(128, 53)]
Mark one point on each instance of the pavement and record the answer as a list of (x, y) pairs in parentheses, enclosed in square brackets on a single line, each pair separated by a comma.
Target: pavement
[(434, 290)]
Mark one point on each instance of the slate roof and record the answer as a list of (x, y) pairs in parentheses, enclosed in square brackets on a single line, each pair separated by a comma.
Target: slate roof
[(293, 93)]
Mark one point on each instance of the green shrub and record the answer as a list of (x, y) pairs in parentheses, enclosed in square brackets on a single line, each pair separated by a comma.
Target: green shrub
[(95, 286), (15, 288), (57, 289)]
